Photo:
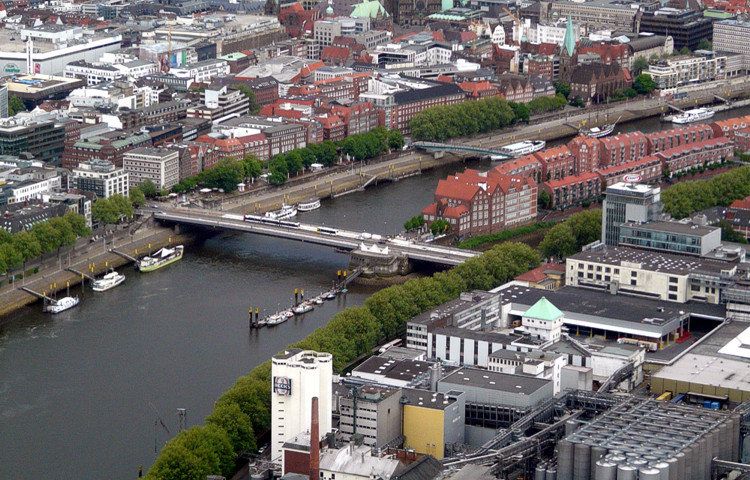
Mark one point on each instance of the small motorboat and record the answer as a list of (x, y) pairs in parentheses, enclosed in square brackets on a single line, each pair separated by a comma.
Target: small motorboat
[(302, 308), (331, 295)]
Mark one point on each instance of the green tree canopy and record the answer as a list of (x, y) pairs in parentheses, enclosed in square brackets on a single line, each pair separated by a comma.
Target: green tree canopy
[(644, 84), (559, 242), (729, 234), (586, 227), (226, 174), (254, 107), (705, 44), (148, 188), (77, 223), (640, 64), (237, 425), (137, 198), (47, 235), (11, 258), (562, 89), (544, 199), (65, 234), (685, 51), (15, 105), (395, 140), (27, 245)]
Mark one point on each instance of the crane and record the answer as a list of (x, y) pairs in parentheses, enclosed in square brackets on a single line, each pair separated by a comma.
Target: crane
[(165, 68), (516, 26), (158, 421)]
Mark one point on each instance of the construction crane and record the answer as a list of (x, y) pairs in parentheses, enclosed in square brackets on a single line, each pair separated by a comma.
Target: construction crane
[(516, 25), (158, 421), (166, 66)]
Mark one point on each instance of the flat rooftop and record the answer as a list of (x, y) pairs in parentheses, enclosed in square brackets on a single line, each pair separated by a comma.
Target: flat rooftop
[(463, 302), (602, 310), (684, 228), (655, 261), (405, 370), (428, 399), (16, 45), (501, 382)]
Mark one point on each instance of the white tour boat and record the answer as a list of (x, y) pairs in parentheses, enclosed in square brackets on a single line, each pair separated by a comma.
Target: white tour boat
[(63, 304), (287, 211), (309, 205), (110, 280), (302, 308), (694, 115), (276, 319), (523, 148)]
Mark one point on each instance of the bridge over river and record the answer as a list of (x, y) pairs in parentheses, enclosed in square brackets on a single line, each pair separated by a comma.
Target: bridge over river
[(343, 240)]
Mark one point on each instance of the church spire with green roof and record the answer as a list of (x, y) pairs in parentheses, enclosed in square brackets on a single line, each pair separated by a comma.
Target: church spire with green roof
[(569, 42)]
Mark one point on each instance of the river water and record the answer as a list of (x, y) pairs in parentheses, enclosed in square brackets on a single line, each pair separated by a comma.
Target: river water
[(80, 391)]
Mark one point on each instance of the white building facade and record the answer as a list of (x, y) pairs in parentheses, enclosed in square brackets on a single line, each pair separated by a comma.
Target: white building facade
[(297, 377)]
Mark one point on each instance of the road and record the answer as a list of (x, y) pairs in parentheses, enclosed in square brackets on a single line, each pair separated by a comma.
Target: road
[(316, 234)]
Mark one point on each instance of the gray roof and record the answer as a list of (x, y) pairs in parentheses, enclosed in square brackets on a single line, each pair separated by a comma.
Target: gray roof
[(674, 227), (452, 307), (406, 370), (654, 262), (428, 399), (501, 382), (426, 468)]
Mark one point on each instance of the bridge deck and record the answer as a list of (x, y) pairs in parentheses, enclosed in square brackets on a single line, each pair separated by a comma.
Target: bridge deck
[(344, 239), (461, 148)]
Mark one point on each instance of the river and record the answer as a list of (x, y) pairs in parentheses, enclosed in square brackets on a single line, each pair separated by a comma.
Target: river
[(77, 389)]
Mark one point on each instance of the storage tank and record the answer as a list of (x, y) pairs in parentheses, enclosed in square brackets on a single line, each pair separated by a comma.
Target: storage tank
[(700, 454), (597, 453), (540, 472), (673, 469), (663, 468), (551, 473), (570, 427), (564, 460), (582, 462), (688, 452), (648, 473), (604, 470), (681, 465), (715, 443), (626, 472), (724, 439)]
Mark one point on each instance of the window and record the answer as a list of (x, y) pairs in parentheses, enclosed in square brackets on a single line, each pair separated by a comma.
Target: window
[(673, 288), (672, 296), (672, 279), (695, 288), (633, 274), (633, 282)]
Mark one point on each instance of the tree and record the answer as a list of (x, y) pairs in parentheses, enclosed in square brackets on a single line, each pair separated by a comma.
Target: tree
[(544, 199), (640, 64), (630, 93), (562, 89), (10, 256), (729, 234), (685, 51), (245, 90), (521, 112), (578, 102), (122, 205), (225, 175), (705, 44), (237, 425), (252, 166), (137, 198), (586, 227), (47, 235), (440, 226), (414, 222), (559, 242), (65, 234), (27, 245), (77, 223), (148, 188), (395, 140), (15, 105), (644, 84), (105, 211)]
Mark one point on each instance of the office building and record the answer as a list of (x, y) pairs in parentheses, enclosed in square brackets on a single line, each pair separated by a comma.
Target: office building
[(686, 27), (475, 310), (3, 101), (110, 147), (297, 377), (373, 412), (677, 237), (628, 202), (160, 166), (681, 70), (44, 139), (218, 103), (732, 36), (100, 177)]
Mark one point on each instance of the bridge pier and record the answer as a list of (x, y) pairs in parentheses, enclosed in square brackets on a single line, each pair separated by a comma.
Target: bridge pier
[(439, 154)]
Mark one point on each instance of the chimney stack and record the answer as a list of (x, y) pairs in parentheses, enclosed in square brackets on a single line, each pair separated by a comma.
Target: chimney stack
[(315, 442)]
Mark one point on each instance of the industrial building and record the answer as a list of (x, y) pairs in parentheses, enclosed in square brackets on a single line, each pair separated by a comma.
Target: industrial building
[(648, 440), (433, 421), (298, 376)]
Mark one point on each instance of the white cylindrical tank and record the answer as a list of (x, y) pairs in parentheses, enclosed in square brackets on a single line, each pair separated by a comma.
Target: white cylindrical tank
[(700, 454), (582, 462), (626, 472), (551, 473), (688, 452), (648, 473), (564, 460), (604, 470), (570, 427), (736, 440), (725, 439)]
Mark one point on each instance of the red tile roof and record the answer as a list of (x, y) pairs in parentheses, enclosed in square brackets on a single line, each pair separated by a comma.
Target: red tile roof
[(538, 274)]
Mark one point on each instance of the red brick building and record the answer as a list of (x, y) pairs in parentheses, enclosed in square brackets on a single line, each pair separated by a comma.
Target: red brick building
[(111, 147), (596, 82), (574, 190), (543, 66), (626, 147), (526, 166), (727, 128), (609, 52), (477, 203), (696, 154), (648, 168), (334, 129), (742, 140), (359, 117), (587, 152), (236, 147), (675, 137), (557, 162), (478, 90)]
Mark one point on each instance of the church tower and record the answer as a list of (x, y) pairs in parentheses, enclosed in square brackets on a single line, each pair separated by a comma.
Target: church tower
[(568, 57)]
